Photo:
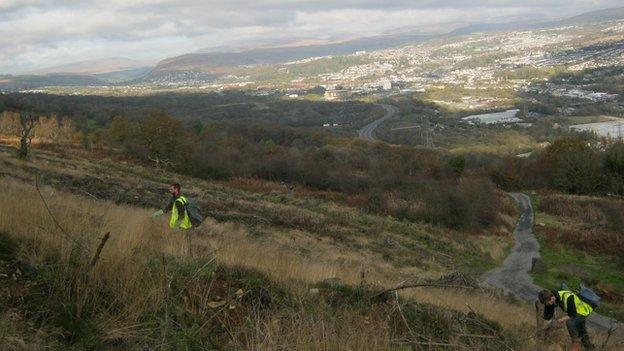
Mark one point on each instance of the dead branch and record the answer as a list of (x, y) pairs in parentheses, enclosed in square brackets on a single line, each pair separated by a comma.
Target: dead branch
[(477, 336), (93, 196), (420, 285), (96, 257)]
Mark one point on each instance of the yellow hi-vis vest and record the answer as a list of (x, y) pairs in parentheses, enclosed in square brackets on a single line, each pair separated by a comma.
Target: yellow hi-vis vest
[(582, 307), (185, 223)]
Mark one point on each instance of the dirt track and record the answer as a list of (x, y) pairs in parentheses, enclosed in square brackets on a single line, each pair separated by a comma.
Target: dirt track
[(513, 275)]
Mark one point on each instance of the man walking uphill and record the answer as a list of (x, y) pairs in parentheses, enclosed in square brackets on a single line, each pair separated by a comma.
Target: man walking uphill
[(577, 311), (179, 215)]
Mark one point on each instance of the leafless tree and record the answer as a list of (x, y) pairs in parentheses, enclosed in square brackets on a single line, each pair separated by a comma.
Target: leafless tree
[(28, 122)]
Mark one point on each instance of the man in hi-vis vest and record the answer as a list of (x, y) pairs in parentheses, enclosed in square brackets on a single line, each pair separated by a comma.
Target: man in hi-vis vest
[(179, 215), (577, 312)]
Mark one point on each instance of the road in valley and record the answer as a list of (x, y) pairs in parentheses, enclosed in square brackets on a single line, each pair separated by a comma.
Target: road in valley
[(368, 131), (513, 276)]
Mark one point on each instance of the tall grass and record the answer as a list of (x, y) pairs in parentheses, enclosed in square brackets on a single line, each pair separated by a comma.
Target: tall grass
[(130, 285), (154, 288)]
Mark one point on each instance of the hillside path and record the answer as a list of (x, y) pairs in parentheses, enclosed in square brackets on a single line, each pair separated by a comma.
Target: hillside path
[(513, 275), (368, 131)]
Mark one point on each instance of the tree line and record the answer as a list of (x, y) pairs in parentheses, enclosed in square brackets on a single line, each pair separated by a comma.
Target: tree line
[(405, 182)]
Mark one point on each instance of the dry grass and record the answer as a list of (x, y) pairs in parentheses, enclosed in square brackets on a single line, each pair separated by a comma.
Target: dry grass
[(321, 333), (138, 243), (491, 306), (312, 228), (133, 229), (141, 253)]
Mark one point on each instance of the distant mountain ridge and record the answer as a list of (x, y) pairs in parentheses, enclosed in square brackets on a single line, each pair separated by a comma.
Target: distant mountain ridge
[(594, 16), (584, 18), (98, 66), (83, 73), (213, 63)]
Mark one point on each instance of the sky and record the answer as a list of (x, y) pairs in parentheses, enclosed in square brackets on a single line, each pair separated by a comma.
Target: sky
[(36, 34)]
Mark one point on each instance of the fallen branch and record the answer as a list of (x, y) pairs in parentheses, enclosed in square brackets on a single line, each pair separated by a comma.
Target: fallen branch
[(93, 196), (477, 336), (420, 285), (96, 257)]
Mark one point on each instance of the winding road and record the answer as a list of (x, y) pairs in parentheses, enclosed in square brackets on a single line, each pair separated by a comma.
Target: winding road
[(368, 131), (513, 275)]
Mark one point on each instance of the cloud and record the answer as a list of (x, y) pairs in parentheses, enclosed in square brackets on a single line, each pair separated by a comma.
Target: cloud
[(38, 33)]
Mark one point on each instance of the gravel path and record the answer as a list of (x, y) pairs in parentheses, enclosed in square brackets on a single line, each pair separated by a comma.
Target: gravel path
[(513, 275)]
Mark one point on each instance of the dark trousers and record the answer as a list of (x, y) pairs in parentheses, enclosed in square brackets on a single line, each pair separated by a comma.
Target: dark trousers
[(578, 331)]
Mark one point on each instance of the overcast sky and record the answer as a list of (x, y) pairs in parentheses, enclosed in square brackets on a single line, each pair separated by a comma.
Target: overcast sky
[(38, 33)]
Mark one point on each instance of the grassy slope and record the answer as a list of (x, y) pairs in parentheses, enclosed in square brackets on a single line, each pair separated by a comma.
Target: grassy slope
[(300, 220), (575, 266), (273, 244), (205, 306)]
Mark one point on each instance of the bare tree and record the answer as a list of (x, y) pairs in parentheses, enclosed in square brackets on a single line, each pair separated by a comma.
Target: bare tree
[(28, 121)]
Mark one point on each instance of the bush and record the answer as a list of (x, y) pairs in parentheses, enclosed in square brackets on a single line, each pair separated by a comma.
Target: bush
[(608, 213)]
